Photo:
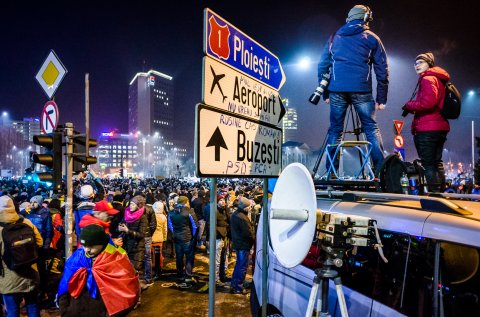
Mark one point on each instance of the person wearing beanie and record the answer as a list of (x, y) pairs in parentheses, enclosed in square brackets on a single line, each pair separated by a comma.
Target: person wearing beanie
[(243, 236), (85, 207), (159, 236), (429, 127), (198, 205), (133, 228), (98, 279), (15, 285), (182, 223), (347, 59)]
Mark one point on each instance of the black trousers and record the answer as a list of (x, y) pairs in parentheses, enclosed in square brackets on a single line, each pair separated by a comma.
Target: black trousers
[(429, 147)]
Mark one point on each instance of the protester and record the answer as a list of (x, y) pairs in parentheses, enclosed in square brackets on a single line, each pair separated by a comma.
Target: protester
[(183, 225), (159, 236), (429, 127), (99, 279), (102, 215), (16, 285), (198, 205), (243, 236), (134, 228), (348, 58), (86, 196)]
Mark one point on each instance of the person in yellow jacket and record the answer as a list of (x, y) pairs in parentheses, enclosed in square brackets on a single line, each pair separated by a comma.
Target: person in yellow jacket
[(159, 236)]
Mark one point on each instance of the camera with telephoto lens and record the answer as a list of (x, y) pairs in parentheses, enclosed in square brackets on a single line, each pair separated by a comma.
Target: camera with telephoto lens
[(315, 97)]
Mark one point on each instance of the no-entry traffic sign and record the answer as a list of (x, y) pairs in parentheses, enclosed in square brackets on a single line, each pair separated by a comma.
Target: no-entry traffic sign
[(230, 145), (49, 117)]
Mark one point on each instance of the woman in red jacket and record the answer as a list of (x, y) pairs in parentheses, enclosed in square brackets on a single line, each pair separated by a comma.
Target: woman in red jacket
[(429, 128)]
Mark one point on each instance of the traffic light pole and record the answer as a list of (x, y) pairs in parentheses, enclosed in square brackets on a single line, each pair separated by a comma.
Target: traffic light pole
[(69, 198)]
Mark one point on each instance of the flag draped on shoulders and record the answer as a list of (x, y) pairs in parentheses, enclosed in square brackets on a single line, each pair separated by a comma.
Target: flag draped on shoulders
[(111, 274)]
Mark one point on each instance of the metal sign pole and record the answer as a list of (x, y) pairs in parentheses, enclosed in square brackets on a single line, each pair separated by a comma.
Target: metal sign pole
[(212, 247), (265, 247), (69, 200)]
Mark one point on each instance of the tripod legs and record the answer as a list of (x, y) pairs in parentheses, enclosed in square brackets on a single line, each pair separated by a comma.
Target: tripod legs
[(322, 301)]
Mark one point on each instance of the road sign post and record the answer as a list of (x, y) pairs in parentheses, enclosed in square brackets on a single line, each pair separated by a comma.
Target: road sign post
[(231, 145)]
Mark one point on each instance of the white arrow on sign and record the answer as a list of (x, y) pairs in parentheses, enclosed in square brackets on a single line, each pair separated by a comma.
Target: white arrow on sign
[(230, 145), (228, 89)]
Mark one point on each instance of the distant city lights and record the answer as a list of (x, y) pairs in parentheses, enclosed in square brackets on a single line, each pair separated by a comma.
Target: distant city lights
[(304, 63), (471, 92)]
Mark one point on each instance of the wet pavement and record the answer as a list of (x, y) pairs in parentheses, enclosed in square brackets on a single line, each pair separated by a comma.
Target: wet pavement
[(170, 297)]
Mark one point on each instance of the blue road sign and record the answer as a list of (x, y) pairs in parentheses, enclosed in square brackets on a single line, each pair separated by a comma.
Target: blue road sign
[(226, 43)]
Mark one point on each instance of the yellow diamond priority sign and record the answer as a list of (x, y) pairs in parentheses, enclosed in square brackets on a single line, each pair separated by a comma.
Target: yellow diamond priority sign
[(51, 74)]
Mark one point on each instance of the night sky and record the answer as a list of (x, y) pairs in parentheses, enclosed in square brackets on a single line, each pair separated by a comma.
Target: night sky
[(114, 41)]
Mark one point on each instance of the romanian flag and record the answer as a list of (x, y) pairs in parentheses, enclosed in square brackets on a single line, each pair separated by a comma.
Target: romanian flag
[(112, 275)]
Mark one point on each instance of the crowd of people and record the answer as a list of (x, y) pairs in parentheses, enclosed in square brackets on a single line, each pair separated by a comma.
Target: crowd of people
[(121, 228)]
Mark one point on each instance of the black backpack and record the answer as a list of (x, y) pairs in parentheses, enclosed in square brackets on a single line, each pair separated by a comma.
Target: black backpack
[(20, 247), (391, 172), (452, 104)]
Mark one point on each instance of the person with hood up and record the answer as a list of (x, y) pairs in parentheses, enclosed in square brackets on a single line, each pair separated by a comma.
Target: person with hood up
[(15, 285), (159, 236), (98, 279), (429, 127), (348, 58)]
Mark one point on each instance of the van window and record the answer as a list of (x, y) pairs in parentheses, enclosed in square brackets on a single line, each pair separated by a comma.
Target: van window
[(404, 283), (459, 280)]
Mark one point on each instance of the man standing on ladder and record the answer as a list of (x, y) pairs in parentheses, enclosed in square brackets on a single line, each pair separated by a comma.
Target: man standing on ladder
[(348, 58)]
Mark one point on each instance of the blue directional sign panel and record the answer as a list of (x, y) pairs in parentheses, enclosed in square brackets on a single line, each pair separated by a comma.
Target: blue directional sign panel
[(226, 43)]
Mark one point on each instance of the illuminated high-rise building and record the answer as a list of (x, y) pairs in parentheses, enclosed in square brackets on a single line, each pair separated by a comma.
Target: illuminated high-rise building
[(150, 106), (290, 123), (28, 127)]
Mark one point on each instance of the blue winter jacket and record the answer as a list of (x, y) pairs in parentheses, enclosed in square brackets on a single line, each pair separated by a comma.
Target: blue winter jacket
[(42, 219), (350, 56)]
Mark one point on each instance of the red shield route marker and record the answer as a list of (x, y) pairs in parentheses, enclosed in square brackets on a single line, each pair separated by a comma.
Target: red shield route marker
[(49, 117)]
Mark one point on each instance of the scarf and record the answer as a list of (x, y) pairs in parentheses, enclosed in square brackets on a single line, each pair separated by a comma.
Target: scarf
[(131, 217)]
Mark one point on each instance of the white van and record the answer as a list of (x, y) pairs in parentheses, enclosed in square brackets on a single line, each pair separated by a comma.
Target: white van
[(424, 239)]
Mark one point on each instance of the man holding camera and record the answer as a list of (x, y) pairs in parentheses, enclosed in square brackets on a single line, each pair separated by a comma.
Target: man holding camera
[(347, 59)]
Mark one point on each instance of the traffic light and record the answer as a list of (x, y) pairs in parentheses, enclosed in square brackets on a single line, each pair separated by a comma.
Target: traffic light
[(51, 159), (81, 159)]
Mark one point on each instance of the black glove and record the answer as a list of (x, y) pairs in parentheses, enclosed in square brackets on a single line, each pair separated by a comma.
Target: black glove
[(405, 111)]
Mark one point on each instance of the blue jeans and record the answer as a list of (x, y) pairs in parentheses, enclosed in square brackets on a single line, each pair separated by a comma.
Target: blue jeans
[(240, 270), (220, 260), (185, 250), (200, 229), (365, 107), (12, 304), (429, 147), (148, 259)]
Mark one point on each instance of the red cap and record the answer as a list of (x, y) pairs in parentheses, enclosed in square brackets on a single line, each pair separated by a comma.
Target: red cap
[(105, 206)]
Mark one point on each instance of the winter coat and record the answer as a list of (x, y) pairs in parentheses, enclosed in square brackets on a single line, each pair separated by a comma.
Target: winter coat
[(241, 227), (83, 208), (11, 281), (42, 219), (350, 55), (223, 221), (152, 221), (134, 241), (182, 223), (428, 103), (198, 204), (160, 234)]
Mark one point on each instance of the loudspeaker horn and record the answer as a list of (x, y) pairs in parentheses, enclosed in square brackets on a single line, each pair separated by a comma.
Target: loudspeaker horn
[(293, 215)]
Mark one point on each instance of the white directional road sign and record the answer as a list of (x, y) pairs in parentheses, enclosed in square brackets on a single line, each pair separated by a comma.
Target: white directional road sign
[(51, 74), (228, 89), (49, 117), (230, 145)]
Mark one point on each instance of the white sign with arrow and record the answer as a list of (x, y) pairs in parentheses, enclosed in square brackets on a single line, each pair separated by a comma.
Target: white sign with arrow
[(228, 89), (231, 145)]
